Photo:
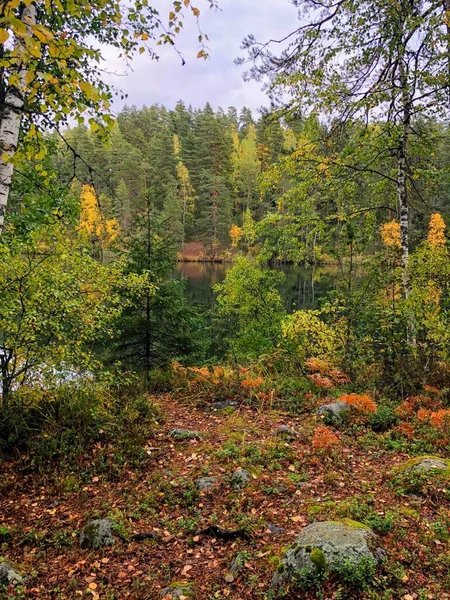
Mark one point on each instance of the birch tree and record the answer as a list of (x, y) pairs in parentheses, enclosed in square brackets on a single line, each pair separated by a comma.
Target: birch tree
[(371, 60), (51, 68)]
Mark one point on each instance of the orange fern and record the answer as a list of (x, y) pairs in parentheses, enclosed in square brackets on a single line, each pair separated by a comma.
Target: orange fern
[(362, 402), (324, 438)]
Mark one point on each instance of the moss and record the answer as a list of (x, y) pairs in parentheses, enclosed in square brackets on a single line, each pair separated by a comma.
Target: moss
[(352, 523), (408, 512), (281, 567), (319, 559)]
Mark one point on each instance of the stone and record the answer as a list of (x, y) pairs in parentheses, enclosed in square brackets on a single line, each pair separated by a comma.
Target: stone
[(97, 534), (327, 545), (336, 412), (204, 484), (274, 529), (236, 566), (8, 575), (185, 434), (240, 478), (224, 404), (285, 431), (178, 590), (430, 464)]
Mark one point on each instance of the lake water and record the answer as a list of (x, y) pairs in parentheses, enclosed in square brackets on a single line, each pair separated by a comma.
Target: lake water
[(301, 288)]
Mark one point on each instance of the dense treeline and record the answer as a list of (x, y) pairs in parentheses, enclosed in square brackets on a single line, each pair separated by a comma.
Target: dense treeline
[(201, 168), (291, 186)]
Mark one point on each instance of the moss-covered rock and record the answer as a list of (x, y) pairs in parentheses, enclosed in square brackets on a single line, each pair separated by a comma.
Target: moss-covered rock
[(424, 464), (327, 546), (240, 479), (97, 534), (421, 473)]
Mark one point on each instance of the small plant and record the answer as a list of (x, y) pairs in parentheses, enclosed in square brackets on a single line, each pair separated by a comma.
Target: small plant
[(324, 438), (362, 403)]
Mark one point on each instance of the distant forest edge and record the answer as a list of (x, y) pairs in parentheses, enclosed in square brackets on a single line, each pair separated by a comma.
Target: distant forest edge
[(222, 181)]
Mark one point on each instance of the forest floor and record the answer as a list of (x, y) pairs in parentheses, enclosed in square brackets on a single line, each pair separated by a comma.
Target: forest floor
[(291, 485)]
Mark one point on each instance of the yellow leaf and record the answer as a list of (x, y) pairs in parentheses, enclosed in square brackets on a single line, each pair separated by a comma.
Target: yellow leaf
[(171, 16), (196, 11), (144, 37), (4, 35)]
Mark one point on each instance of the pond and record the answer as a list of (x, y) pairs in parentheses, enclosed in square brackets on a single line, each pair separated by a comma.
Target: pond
[(301, 288)]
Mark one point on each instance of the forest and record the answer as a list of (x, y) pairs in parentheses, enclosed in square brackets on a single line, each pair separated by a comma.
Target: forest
[(156, 447)]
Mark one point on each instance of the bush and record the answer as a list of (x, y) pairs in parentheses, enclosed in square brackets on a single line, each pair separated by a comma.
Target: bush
[(65, 422)]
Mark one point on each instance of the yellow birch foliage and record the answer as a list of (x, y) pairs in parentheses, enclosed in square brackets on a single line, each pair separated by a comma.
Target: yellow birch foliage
[(92, 225), (436, 231), (390, 234), (235, 234)]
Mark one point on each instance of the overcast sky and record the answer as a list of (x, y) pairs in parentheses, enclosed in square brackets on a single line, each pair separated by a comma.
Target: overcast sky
[(218, 80)]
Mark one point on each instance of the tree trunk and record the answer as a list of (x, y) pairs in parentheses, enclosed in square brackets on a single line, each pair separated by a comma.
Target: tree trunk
[(402, 192), (10, 118)]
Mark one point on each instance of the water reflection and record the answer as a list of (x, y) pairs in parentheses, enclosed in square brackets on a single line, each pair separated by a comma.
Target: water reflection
[(301, 288)]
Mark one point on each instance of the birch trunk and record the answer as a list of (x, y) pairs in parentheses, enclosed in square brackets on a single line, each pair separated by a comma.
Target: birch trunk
[(10, 118), (402, 191)]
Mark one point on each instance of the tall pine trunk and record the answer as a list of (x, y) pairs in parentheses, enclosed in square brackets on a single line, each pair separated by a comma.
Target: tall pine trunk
[(10, 117)]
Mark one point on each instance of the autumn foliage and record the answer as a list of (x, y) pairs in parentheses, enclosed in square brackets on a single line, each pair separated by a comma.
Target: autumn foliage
[(324, 438), (92, 224), (363, 403), (390, 234), (436, 231)]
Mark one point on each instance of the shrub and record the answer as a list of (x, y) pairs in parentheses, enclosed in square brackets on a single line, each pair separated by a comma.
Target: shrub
[(362, 403), (324, 438)]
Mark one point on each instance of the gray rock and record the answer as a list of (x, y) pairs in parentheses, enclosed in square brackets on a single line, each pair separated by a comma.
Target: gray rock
[(285, 431), (8, 575), (205, 483), (97, 534), (240, 478), (334, 543), (274, 529), (178, 590), (430, 464), (336, 412), (185, 434), (236, 566), (224, 404)]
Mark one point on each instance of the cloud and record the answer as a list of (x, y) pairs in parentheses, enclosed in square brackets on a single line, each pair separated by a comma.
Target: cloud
[(218, 80)]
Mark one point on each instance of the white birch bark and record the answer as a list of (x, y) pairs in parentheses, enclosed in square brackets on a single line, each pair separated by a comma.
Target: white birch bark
[(10, 118)]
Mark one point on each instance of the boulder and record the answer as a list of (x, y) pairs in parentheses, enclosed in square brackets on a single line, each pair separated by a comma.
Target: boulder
[(178, 590), (204, 484), (8, 575), (416, 474), (240, 478), (326, 546), (285, 431), (97, 534), (336, 412), (185, 434)]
